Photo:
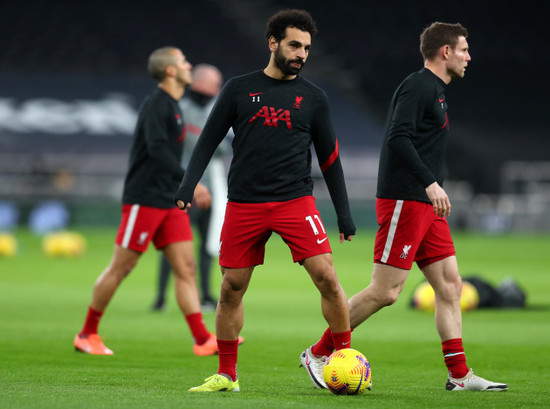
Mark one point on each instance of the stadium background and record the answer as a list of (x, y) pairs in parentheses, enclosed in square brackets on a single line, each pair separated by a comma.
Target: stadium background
[(72, 76)]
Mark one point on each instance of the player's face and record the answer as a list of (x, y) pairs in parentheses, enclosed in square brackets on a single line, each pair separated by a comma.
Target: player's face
[(458, 59), (183, 69), (292, 51)]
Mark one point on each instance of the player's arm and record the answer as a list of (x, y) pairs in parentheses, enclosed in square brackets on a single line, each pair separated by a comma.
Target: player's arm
[(407, 113), (326, 147), (218, 123), (157, 139)]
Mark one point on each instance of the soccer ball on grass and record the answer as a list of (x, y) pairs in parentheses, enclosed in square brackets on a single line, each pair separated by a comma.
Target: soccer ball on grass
[(64, 244), (8, 245), (347, 372), (424, 297)]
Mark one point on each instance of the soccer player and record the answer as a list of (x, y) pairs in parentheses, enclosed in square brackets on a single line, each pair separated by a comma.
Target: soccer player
[(411, 206), (148, 210), (196, 106), (276, 116)]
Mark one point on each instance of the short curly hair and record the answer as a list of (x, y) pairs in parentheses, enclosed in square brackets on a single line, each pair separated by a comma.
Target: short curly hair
[(437, 34), (300, 19)]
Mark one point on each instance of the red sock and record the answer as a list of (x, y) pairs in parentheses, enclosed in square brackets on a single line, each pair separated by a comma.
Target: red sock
[(455, 359), (92, 322), (227, 356), (324, 346), (341, 340), (197, 327)]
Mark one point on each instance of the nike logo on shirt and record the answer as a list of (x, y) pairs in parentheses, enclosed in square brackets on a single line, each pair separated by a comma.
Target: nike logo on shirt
[(320, 241)]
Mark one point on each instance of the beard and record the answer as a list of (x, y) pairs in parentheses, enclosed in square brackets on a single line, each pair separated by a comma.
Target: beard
[(285, 65)]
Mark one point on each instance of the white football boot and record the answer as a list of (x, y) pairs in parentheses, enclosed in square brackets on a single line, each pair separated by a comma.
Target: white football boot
[(314, 367), (473, 382)]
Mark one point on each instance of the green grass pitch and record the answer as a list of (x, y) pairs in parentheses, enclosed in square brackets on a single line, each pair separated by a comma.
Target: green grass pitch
[(43, 302)]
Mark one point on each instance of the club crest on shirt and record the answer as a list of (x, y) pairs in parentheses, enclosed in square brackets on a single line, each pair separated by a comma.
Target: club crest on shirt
[(297, 102)]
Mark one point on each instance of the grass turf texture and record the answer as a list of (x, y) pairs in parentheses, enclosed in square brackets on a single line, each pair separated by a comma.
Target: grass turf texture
[(43, 302)]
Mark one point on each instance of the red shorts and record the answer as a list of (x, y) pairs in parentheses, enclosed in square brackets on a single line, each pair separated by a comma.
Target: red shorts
[(248, 226), (410, 231), (141, 224)]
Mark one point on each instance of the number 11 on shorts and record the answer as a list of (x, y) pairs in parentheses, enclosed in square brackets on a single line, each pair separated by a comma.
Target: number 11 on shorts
[(313, 226)]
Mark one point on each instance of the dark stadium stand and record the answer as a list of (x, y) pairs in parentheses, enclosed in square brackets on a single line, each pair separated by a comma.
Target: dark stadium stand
[(364, 49)]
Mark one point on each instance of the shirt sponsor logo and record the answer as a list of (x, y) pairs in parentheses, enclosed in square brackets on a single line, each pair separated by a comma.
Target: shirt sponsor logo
[(272, 116)]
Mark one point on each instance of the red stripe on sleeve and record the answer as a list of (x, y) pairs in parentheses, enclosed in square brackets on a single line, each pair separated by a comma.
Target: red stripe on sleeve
[(331, 158)]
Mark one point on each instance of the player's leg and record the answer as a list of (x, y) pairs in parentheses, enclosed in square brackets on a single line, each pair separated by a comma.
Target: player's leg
[(181, 259), (122, 262), (138, 223), (334, 304), (174, 236), (180, 256), (383, 290), (385, 286), (229, 322), (438, 263), (162, 284), (243, 237), (443, 276), (230, 313), (205, 260)]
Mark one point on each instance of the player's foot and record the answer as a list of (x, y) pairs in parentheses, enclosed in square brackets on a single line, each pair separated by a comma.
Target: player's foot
[(314, 367), (91, 344), (210, 347), (473, 382), (159, 305), (217, 383)]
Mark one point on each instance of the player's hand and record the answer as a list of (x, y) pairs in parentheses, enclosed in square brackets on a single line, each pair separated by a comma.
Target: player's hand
[(202, 197), (439, 199), (344, 238), (346, 228), (183, 205)]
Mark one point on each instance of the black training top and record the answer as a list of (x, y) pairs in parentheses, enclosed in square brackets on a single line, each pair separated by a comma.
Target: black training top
[(413, 152), (154, 170), (274, 122)]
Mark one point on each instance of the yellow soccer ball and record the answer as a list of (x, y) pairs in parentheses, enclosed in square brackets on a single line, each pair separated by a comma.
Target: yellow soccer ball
[(347, 372), (64, 244), (424, 297), (8, 245)]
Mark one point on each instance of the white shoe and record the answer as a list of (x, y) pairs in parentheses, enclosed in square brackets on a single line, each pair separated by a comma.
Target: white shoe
[(314, 367), (473, 382)]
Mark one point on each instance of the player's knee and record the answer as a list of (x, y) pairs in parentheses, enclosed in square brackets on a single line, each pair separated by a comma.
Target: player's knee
[(451, 290), (385, 297), (185, 269), (327, 282), (233, 283), (388, 298)]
